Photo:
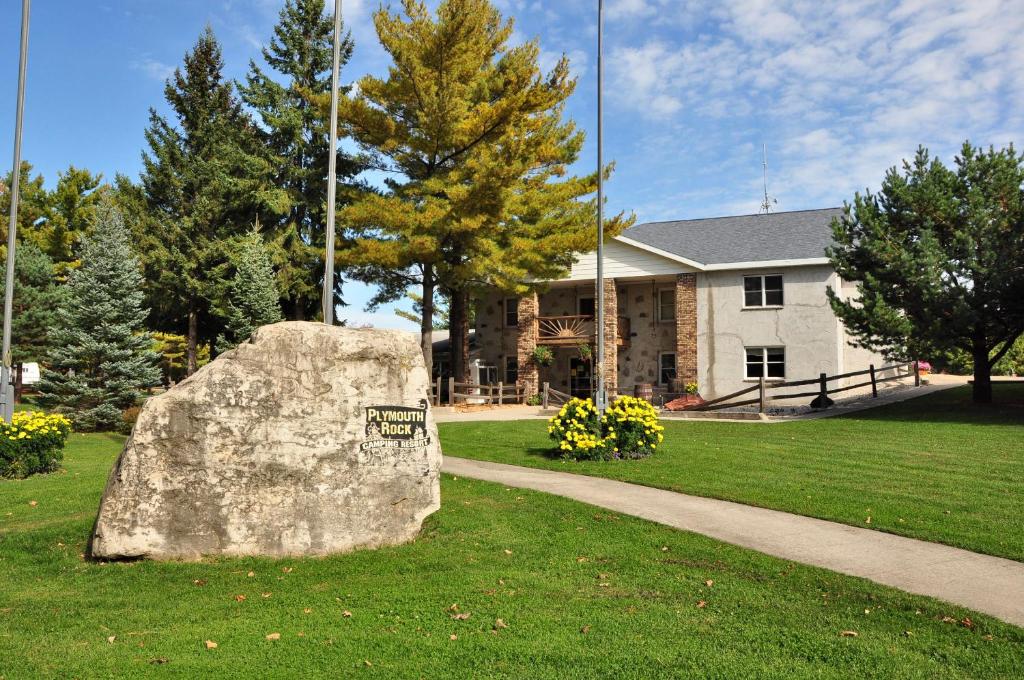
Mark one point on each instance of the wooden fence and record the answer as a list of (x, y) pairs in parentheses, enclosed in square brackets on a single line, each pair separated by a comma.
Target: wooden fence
[(499, 393), (822, 381)]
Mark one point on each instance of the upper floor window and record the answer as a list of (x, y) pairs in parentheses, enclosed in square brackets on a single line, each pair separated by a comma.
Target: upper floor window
[(585, 306), (769, 362), (511, 312), (762, 291), (666, 305)]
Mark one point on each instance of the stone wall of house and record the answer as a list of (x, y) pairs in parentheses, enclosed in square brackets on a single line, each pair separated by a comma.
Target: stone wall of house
[(494, 340), (526, 343), (638, 363), (686, 330)]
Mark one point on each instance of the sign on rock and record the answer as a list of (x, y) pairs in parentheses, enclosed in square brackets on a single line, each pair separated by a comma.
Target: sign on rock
[(307, 440)]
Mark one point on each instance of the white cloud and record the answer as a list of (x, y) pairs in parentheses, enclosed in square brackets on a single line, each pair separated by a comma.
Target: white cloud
[(157, 70)]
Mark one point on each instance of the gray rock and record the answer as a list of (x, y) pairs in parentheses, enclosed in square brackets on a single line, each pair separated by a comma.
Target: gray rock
[(280, 447)]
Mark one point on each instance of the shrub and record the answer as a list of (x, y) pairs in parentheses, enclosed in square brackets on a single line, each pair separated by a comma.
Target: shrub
[(32, 442), (543, 356), (628, 429), (534, 400)]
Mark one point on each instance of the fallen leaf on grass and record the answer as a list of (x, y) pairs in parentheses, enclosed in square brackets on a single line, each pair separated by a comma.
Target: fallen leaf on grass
[(453, 636), (585, 629), (499, 624), (367, 662), (273, 636), (604, 585), (948, 619), (307, 610), (251, 574), (347, 614), (967, 623), (868, 520), (507, 551), (199, 582), (709, 583), (239, 598), (664, 548), (849, 633), (286, 570), (461, 617), (454, 607), (158, 661), (111, 639), (581, 559), (908, 633), (702, 604), (210, 644), (265, 595), (33, 503)]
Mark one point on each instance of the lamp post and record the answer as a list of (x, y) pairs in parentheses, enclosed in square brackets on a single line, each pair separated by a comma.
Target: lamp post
[(328, 293), (6, 382), (601, 396)]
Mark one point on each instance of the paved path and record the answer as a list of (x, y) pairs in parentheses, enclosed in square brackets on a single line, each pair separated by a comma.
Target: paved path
[(991, 585)]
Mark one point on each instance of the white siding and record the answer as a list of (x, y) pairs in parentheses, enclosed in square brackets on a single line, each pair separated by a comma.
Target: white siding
[(623, 261)]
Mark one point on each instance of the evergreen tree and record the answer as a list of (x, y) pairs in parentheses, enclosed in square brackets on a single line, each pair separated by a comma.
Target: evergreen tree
[(71, 209), (36, 299), (471, 132), (33, 206), (255, 300), (937, 256), (101, 358), (296, 133), (204, 180)]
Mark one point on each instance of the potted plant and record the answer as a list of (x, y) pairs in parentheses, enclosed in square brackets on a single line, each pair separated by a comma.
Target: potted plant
[(543, 356), (688, 399), (586, 352)]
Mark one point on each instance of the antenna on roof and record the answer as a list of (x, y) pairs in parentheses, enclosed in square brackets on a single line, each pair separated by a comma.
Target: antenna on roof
[(768, 202)]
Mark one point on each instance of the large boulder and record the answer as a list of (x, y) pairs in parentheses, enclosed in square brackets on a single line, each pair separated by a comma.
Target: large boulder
[(306, 440)]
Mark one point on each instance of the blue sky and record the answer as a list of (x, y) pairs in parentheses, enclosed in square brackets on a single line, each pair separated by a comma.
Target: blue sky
[(837, 91)]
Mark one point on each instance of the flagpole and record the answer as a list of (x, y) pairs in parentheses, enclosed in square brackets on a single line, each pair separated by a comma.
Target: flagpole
[(601, 396), (6, 382), (328, 293)]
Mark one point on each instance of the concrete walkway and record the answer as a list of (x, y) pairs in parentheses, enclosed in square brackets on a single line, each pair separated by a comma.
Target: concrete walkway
[(991, 585)]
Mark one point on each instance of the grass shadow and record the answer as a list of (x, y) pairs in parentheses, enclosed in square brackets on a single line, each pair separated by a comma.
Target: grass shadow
[(953, 406)]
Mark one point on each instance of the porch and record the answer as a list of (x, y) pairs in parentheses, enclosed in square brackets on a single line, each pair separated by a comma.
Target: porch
[(573, 330)]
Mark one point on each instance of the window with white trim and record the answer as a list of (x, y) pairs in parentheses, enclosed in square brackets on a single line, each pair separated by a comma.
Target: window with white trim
[(762, 290), (511, 312), (488, 375), (666, 367), (667, 304), (769, 362)]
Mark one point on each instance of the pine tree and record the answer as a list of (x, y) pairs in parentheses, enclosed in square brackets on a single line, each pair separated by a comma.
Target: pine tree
[(937, 256), (101, 358), (295, 132), (255, 300), (72, 205), (205, 179), (36, 299), (472, 133)]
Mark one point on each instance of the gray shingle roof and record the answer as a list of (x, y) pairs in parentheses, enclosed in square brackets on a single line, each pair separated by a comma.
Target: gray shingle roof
[(745, 238)]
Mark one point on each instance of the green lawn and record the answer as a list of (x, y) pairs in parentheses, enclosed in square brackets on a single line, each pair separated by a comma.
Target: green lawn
[(583, 593), (936, 467)]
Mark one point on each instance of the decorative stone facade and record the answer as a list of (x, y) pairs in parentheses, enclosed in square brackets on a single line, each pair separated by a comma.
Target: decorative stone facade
[(526, 343), (611, 335), (686, 329)]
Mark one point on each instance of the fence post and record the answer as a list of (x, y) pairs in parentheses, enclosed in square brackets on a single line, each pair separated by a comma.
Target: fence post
[(501, 393), (544, 399), (451, 391), (917, 374), (761, 395), (823, 381), (874, 383), (437, 394)]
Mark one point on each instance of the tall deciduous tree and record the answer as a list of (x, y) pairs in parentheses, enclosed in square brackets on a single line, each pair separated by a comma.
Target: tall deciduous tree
[(205, 178), (101, 358), (937, 254), (294, 130), (471, 132)]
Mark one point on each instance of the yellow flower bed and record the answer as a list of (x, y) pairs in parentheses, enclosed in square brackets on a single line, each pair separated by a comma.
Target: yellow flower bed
[(32, 442), (628, 429)]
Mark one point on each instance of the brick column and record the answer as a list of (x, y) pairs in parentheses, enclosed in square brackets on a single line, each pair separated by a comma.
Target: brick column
[(611, 336), (526, 342), (686, 328)]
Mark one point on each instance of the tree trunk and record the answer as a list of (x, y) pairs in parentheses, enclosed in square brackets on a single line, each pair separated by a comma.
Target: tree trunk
[(192, 345), (427, 320), (19, 384), (982, 372), (458, 334), (298, 310)]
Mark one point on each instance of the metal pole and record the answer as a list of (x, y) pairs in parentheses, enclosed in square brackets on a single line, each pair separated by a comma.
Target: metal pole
[(601, 396), (6, 383), (328, 295)]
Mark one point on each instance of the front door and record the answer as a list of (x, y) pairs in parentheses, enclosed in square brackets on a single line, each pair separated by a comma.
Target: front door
[(580, 378)]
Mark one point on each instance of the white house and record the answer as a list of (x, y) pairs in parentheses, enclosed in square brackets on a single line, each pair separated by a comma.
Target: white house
[(719, 302)]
